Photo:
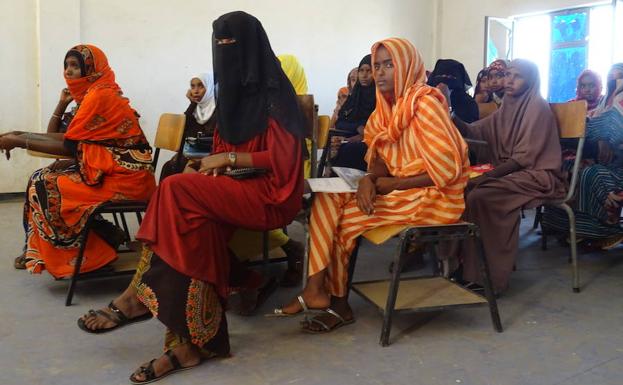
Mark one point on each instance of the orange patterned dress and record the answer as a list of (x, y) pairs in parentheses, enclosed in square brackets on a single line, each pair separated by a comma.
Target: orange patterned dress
[(113, 162)]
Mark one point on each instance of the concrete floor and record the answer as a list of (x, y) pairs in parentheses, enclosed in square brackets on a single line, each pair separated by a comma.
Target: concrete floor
[(552, 336)]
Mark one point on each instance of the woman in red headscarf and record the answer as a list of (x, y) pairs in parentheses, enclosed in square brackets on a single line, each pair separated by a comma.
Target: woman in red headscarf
[(589, 88), (112, 162)]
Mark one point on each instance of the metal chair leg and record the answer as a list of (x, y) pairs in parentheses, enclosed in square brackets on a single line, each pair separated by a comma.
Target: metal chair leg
[(573, 248), (74, 278), (537, 217), (393, 291), (484, 268)]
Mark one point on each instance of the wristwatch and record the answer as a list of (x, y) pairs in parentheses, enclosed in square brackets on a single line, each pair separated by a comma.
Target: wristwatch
[(232, 158)]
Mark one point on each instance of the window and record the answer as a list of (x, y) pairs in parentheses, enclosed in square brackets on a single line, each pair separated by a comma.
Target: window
[(564, 43)]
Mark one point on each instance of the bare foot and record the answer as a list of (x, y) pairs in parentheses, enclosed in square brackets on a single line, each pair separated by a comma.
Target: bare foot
[(187, 355), (314, 299), (340, 306), (127, 303)]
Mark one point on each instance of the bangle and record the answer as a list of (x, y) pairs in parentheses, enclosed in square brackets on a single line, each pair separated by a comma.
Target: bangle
[(56, 116), (372, 176), (27, 143)]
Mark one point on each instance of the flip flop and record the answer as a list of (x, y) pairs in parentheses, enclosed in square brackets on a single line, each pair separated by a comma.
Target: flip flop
[(305, 310), (117, 317), (150, 373), (326, 328)]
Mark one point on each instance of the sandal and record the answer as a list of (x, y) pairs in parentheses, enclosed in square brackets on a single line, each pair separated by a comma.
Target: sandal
[(305, 310), (326, 328), (117, 317), (150, 373), (20, 262)]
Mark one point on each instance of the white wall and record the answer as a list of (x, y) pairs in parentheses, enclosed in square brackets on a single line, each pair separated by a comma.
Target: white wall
[(461, 25), (19, 96), (155, 46)]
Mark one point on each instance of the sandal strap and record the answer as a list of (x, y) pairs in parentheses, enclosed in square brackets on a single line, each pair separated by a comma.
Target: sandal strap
[(318, 322), (96, 313), (148, 371), (175, 363), (122, 318), (335, 314), (302, 302)]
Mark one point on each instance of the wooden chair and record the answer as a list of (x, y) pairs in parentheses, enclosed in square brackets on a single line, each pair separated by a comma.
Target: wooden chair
[(571, 119), (169, 137)]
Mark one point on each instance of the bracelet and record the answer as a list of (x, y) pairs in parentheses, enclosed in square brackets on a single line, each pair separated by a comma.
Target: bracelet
[(371, 175), (27, 143), (56, 116)]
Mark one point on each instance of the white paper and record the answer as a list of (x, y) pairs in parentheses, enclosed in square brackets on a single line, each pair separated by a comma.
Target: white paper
[(350, 175), (333, 185)]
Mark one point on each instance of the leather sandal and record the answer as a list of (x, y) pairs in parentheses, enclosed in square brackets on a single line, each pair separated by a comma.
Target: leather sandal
[(116, 317), (326, 328), (304, 310), (150, 373)]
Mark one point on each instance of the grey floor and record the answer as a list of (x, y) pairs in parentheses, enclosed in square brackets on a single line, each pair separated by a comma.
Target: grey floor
[(552, 336)]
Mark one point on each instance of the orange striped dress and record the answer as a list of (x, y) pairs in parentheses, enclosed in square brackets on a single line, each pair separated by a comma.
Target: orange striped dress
[(412, 137)]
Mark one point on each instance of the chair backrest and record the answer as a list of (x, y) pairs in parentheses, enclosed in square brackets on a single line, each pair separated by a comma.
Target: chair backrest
[(170, 131), (323, 130), (571, 118), (308, 108), (486, 109)]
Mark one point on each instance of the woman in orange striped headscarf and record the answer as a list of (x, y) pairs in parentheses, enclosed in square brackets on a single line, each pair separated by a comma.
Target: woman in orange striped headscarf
[(417, 172), (112, 161)]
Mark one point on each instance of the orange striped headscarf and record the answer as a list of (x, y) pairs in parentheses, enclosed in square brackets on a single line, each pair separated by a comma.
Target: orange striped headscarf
[(432, 142)]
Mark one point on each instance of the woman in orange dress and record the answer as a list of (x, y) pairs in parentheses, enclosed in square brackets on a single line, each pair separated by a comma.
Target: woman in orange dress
[(112, 162), (417, 172)]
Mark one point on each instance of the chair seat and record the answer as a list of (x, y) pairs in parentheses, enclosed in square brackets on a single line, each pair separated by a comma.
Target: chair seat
[(381, 234), (129, 205)]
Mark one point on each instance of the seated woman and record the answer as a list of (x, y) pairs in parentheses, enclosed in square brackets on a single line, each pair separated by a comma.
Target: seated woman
[(113, 162), (342, 96), (418, 170), (184, 275), (452, 79), (599, 199), (481, 91), (351, 79), (589, 87), (523, 138), (496, 73), (58, 123), (352, 118), (200, 117)]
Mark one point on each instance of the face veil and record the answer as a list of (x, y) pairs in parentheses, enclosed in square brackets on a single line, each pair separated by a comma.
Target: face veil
[(251, 86)]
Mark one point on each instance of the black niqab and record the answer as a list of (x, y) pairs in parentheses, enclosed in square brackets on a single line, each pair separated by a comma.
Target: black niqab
[(362, 100), (453, 74), (251, 86)]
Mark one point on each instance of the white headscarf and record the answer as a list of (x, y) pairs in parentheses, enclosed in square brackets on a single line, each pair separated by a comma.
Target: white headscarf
[(207, 104)]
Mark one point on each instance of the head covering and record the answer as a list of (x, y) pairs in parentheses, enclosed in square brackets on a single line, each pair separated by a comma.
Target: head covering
[(295, 72), (342, 91), (453, 74), (596, 92), (94, 68), (355, 70), (483, 72), (431, 144), (207, 104), (251, 86), (361, 101), (498, 65), (523, 128)]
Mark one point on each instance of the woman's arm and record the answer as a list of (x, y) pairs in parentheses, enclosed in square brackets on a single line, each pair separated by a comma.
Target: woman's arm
[(54, 124), (30, 142)]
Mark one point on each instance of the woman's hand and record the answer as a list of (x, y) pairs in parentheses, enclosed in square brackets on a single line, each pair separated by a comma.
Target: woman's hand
[(336, 142), (604, 152), (385, 185), (188, 95), (9, 142), (65, 97), (354, 138), (214, 164), (475, 182), (366, 194)]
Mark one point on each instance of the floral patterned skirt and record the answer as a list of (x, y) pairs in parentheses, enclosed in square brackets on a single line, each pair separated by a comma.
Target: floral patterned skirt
[(191, 309)]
